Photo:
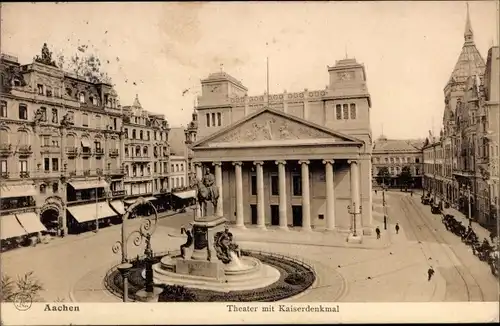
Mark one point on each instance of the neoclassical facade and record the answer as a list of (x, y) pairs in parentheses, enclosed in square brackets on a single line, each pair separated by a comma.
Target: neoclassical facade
[(291, 159)]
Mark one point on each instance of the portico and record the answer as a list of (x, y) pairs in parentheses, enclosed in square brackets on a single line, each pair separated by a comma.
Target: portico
[(292, 173)]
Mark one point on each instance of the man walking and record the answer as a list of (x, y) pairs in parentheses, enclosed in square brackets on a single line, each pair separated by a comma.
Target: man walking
[(377, 231), (397, 228), (430, 272)]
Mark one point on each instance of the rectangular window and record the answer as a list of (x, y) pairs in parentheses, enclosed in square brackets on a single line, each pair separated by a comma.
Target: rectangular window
[(85, 120), (115, 124), (275, 185), (3, 109), (23, 112), (253, 185), (296, 185), (147, 135), (338, 110), (40, 89), (46, 141), (3, 166), (23, 166), (43, 112), (55, 164), (353, 111), (55, 118), (346, 111), (98, 122), (46, 164), (97, 145), (126, 132), (208, 119), (213, 119), (49, 91), (219, 119)]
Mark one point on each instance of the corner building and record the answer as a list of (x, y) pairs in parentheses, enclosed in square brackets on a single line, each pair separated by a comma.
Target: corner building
[(299, 159)]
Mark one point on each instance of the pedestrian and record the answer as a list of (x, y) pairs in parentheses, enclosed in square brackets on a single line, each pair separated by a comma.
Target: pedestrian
[(397, 228), (377, 230), (411, 193), (375, 191), (430, 272)]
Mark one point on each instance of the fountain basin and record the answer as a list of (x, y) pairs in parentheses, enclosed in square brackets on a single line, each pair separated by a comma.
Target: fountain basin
[(249, 274)]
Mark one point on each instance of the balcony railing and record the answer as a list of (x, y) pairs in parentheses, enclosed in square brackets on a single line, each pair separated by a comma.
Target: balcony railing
[(71, 151), (118, 193), (4, 175), (5, 149), (113, 152), (24, 174), (115, 171), (49, 149), (99, 151), (24, 150), (99, 172)]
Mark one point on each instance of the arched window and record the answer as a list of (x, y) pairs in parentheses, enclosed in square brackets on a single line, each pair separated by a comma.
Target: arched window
[(3, 109), (42, 188), (219, 119), (353, 111), (140, 134), (145, 151), (133, 133), (55, 187), (138, 151)]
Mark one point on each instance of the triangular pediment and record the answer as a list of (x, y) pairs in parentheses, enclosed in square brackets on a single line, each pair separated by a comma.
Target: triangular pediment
[(271, 127)]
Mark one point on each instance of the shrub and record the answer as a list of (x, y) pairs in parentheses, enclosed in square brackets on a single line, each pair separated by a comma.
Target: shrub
[(177, 293), (26, 284), (295, 279)]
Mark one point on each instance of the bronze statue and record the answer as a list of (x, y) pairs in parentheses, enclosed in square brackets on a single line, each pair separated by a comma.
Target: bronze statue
[(188, 243), (207, 192), (224, 245)]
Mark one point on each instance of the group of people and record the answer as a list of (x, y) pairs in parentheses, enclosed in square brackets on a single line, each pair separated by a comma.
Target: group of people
[(483, 250)]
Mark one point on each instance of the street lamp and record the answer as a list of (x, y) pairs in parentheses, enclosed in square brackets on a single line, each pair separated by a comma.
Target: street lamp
[(352, 210), (145, 231), (468, 194)]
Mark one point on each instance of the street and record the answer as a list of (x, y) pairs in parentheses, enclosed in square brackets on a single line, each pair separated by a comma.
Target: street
[(393, 268)]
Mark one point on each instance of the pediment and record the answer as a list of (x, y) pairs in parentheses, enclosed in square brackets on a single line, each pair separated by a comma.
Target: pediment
[(270, 127)]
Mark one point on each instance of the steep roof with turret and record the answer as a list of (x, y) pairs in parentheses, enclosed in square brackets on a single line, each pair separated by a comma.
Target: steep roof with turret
[(470, 62)]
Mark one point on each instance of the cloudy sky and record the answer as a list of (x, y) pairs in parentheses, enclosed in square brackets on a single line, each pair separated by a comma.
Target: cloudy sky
[(157, 50)]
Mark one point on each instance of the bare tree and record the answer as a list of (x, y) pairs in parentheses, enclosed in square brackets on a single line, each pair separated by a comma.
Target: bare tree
[(85, 64)]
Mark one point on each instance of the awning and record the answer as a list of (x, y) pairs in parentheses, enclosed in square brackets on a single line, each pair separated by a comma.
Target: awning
[(89, 184), (85, 142), (87, 212), (10, 227), (118, 205), (17, 191), (31, 222), (131, 201), (185, 194)]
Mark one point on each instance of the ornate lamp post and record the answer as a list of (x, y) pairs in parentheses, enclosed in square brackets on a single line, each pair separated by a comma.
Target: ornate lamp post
[(145, 231), (352, 210)]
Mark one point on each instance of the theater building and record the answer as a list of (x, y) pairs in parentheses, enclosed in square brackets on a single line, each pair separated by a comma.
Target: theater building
[(300, 159)]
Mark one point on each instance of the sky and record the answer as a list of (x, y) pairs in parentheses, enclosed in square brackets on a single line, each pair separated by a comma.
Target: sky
[(157, 50)]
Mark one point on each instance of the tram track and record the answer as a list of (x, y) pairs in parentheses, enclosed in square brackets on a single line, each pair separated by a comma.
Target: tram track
[(473, 291)]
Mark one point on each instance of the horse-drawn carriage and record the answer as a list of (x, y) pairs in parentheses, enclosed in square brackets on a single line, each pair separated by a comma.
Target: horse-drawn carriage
[(436, 208), (426, 199)]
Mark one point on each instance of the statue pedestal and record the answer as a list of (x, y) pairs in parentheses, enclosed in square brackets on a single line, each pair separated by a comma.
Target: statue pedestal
[(351, 238), (203, 261)]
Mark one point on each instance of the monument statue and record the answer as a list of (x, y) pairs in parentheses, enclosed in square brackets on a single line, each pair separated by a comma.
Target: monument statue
[(224, 245), (188, 243), (39, 116), (207, 192)]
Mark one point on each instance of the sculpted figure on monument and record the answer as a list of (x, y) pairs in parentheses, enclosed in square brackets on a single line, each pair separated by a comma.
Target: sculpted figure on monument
[(224, 245), (207, 192)]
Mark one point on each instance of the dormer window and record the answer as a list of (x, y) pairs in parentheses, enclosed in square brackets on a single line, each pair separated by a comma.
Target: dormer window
[(82, 97)]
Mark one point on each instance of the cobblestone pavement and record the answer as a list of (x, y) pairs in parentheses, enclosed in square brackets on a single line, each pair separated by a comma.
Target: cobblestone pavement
[(393, 268)]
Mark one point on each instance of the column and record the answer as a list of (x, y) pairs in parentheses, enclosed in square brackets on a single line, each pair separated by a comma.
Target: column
[(261, 213), (330, 195), (306, 200), (218, 183), (355, 196), (240, 223), (199, 176), (282, 192)]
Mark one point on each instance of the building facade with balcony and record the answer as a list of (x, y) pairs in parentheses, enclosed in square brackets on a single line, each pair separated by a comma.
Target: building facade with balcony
[(146, 152), (394, 155), (468, 145), (59, 144), (299, 159)]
